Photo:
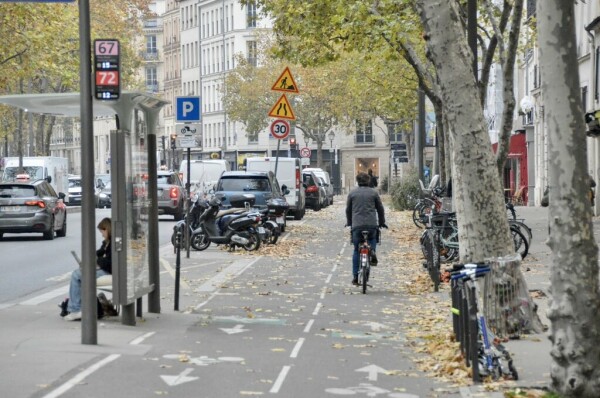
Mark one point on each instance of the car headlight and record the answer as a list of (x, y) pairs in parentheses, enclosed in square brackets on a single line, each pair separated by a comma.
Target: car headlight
[(103, 196)]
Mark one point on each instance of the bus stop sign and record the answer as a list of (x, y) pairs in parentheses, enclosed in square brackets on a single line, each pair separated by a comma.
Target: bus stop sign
[(106, 69)]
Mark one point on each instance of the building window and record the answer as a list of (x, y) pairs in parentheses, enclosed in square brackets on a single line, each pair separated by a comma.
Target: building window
[(151, 80), (151, 44), (251, 14), (584, 94), (394, 132), (251, 52), (364, 132), (530, 8)]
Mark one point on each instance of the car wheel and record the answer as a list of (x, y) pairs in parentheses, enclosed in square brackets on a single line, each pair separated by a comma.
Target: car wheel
[(49, 235), (317, 206), (179, 214), (1, 235), (298, 214), (63, 231)]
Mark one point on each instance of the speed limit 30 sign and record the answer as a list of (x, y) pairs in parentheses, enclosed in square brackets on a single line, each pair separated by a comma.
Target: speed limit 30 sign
[(280, 129)]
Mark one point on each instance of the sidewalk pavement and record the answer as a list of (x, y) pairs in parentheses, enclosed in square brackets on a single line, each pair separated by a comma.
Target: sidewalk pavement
[(38, 350)]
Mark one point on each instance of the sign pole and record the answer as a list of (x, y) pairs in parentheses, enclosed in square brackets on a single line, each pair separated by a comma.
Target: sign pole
[(89, 323), (187, 205), (277, 156)]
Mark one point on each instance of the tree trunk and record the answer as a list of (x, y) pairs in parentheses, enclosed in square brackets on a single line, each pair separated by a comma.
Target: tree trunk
[(477, 192), (575, 304), (319, 152)]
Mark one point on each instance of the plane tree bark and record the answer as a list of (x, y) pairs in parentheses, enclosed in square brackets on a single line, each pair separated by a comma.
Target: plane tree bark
[(575, 301)]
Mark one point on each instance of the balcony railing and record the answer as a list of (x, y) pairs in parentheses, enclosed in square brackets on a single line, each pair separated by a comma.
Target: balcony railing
[(150, 55)]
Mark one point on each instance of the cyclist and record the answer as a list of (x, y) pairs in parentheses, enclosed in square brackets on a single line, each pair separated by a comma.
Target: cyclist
[(364, 212)]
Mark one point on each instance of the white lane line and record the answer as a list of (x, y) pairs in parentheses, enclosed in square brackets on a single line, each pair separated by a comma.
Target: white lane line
[(141, 338), (334, 268), (297, 347), (322, 295), (81, 376), (328, 278), (233, 270), (280, 379), (308, 326), (211, 285), (167, 266), (317, 308), (342, 249), (61, 291)]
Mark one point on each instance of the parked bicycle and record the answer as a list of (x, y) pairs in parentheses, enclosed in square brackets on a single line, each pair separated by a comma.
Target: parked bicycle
[(482, 349), (439, 241)]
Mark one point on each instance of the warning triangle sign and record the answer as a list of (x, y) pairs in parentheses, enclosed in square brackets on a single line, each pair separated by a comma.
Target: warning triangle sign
[(282, 109), (285, 82)]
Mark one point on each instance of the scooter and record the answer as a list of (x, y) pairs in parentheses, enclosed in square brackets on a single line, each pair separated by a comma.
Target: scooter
[(230, 227), (198, 240)]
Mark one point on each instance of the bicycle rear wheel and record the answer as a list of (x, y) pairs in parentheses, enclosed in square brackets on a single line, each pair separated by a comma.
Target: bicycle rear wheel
[(520, 241), (365, 278)]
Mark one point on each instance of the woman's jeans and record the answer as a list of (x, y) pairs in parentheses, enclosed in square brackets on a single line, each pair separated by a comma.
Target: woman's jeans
[(356, 239), (75, 289)]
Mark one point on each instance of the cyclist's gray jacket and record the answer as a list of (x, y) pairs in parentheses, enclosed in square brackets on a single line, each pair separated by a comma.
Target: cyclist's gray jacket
[(364, 208)]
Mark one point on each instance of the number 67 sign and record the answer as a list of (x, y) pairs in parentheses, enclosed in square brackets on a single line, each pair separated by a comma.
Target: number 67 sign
[(106, 66)]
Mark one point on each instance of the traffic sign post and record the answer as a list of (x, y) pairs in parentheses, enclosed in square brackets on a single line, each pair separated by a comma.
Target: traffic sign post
[(305, 152), (107, 68), (280, 129), (188, 109)]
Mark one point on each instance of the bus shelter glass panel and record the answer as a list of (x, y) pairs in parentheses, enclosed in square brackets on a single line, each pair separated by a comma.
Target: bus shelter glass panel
[(137, 210)]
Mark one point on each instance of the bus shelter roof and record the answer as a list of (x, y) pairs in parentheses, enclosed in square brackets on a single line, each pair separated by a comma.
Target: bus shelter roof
[(69, 104)]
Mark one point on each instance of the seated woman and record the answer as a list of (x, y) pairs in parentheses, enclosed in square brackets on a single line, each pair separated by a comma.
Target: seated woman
[(103, 267)]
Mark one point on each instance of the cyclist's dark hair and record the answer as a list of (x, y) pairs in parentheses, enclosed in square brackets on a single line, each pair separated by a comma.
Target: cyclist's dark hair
[(363, 179)]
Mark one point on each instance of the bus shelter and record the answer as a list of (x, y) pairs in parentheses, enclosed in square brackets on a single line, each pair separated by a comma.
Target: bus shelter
[(134, 208)]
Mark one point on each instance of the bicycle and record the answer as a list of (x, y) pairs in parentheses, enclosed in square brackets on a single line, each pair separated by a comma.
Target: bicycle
[(366, 259), (488, 356)]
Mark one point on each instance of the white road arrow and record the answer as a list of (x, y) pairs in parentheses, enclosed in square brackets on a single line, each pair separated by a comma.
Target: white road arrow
[(376, 326), (234, 330), (180, 378), (372, 370)]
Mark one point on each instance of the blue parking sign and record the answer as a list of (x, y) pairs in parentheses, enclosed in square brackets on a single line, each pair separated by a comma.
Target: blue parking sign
[(188, 109)]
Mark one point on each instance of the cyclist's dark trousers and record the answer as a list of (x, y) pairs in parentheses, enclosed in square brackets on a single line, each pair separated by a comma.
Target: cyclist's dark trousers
[(356, 239)]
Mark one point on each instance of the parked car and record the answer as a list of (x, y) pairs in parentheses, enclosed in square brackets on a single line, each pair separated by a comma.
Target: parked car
[(314, 193), (32, 206), (104, 195), (171, 194), (262, 184), (327, 181), (288, 173), (324, 198), (74, 190)]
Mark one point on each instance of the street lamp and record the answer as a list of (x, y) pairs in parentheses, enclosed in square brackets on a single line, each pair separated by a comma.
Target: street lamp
[(331, 136)]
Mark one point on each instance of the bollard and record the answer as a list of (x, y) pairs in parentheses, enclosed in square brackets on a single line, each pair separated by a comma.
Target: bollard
[(177, 269)]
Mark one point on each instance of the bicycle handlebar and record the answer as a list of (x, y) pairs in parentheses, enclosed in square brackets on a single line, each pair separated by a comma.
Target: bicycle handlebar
[(470, 273)]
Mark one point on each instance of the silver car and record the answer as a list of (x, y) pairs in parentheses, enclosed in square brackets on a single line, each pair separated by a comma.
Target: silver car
[(32, 207), (171, 194)]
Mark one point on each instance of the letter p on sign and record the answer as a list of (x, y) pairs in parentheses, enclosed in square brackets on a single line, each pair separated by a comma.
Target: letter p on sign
[(188, 109)]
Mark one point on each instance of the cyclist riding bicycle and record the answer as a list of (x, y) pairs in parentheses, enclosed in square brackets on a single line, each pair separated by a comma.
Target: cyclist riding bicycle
[(364, 212)]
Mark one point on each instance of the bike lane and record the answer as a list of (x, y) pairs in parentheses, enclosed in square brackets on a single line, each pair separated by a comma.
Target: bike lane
[(284, 321)]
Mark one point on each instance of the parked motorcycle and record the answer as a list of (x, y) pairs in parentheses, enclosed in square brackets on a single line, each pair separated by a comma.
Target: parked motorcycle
[(198, 240), (233, 227)]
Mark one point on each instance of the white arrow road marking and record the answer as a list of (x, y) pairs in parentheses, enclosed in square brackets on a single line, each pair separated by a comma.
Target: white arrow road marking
[(372, 370), (234, 330), (376, 326), (203, 360), (180, 378)]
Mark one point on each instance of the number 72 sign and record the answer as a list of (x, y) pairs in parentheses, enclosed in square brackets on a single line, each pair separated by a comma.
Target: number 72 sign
[(106, 66)]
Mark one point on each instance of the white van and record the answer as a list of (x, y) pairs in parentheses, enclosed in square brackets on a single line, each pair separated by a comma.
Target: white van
[(325, 176), (204, 174), (288, 174), (53, 169)]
